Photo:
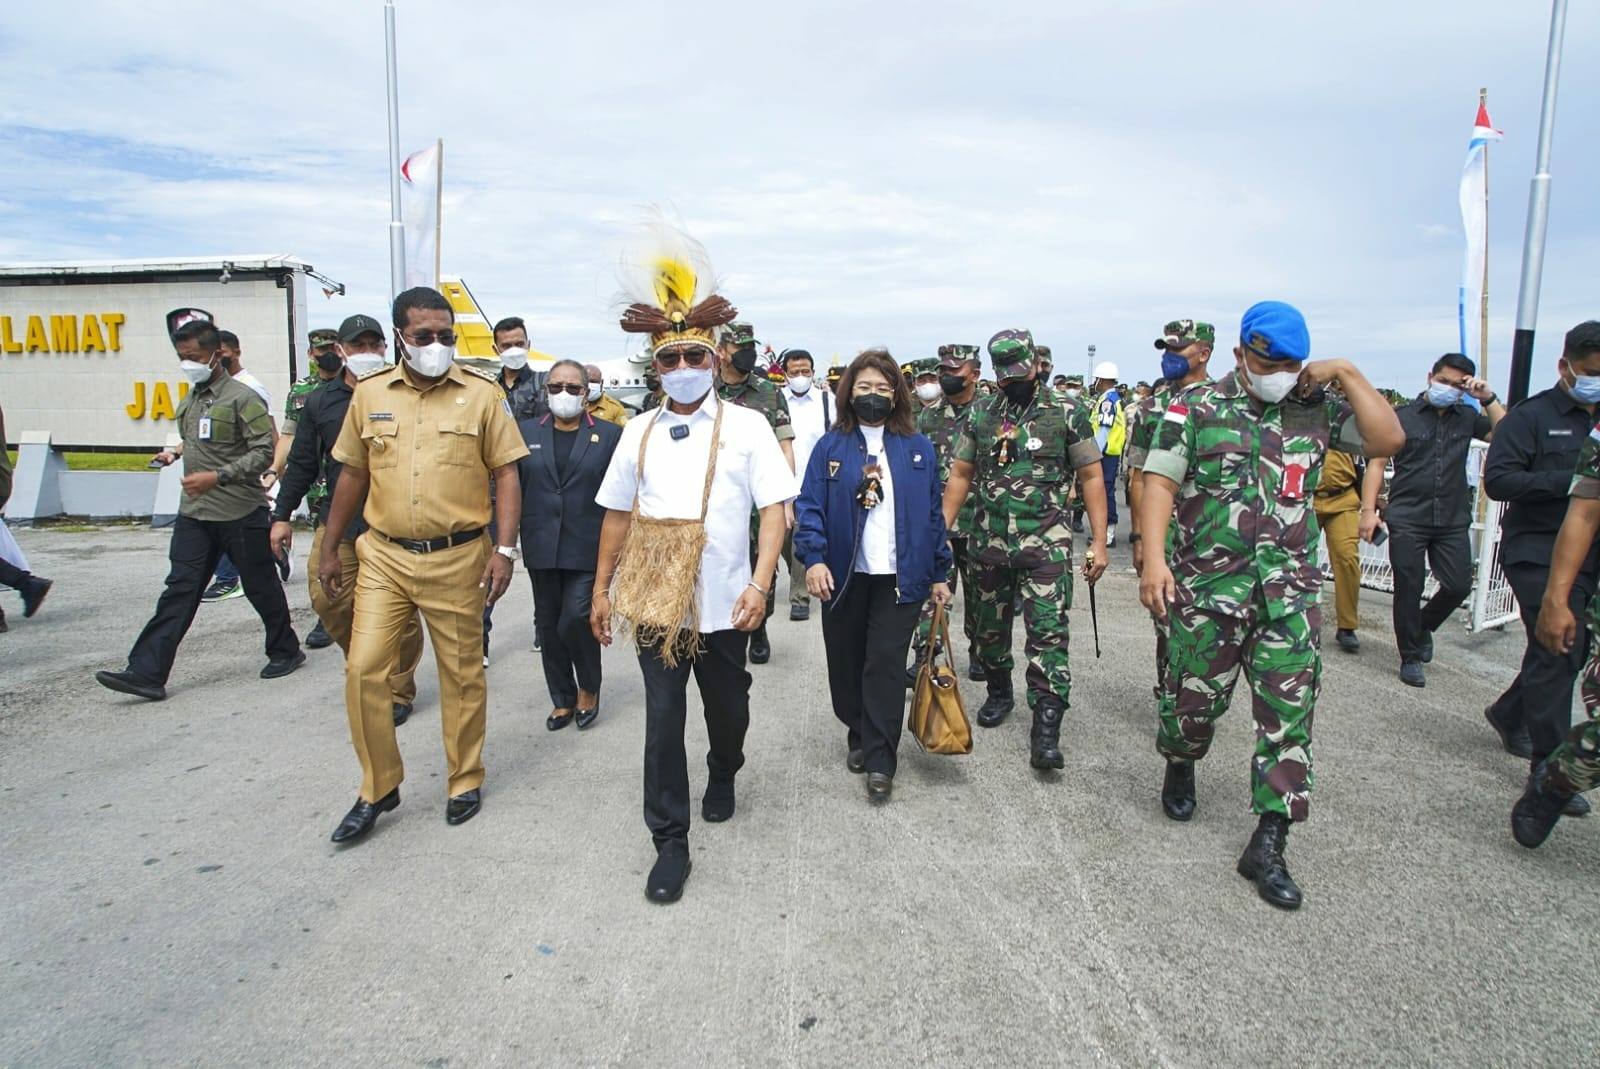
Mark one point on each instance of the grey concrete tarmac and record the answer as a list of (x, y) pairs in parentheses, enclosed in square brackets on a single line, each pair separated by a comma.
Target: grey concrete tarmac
[(168, 894)]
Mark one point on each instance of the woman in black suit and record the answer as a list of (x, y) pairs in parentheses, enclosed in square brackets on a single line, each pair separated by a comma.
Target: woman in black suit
[(568, 453)]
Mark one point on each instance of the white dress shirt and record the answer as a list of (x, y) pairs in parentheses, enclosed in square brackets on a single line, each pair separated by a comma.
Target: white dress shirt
[(751, 472), (244, 378), (806, 416), (876, 554)]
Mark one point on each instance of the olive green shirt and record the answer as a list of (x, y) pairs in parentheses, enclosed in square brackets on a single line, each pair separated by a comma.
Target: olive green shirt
[(226, 429)]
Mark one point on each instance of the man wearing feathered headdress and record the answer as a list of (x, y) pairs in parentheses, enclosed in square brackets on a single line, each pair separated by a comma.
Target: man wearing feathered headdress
[(674, 565)]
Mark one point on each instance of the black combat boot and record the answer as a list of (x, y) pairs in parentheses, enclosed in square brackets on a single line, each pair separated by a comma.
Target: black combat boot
[(1536, 812), (975, 669), (1177, 790), (1263, 862), (1000, 703), (1046, 736), (913, 669)]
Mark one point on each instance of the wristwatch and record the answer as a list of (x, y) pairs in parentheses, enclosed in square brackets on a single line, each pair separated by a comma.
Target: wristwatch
[(223, 478), (510, 553)]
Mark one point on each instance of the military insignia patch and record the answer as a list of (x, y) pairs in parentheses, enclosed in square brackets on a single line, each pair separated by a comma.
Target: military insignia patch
[(833, 469)]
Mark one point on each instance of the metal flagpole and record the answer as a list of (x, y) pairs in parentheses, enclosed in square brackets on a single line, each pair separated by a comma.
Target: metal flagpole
[(1483, 323), (397, 235), (1538, 215), (438, 215)]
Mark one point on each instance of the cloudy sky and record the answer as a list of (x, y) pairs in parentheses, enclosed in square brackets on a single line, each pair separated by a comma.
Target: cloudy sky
[(890, 173)]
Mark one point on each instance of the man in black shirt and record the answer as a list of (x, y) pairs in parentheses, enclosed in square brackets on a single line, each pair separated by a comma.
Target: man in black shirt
[(524, 386), (1429, 515), (362, 348), (1530, 467)]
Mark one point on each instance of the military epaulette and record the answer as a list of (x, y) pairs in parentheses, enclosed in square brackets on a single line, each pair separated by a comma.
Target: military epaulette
[(375, 372), (482, 373)]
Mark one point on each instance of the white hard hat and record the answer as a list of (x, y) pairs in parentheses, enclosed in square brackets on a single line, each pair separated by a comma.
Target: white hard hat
[(1105, 370)]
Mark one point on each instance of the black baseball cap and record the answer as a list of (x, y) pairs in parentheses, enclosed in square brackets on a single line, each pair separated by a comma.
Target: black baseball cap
[(357, 325)]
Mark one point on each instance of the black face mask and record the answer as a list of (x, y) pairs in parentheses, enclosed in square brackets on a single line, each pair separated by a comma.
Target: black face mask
[(329, 361), (1020, 391), (872, 408), (744, 361), (952, 384)]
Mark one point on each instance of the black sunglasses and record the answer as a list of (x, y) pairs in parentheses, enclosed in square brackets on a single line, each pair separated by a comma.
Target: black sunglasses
[(553, 388), (428, 337), (690, 357)]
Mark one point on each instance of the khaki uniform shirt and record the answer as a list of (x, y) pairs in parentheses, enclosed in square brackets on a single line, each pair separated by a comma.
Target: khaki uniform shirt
[(226, 428), (609, 409), (428, 448)]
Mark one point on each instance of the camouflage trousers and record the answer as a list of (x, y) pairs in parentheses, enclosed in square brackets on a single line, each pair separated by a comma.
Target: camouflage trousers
[(1281, 659), (1576, 762), (1161, 658), (960, 583), (1046, 590)]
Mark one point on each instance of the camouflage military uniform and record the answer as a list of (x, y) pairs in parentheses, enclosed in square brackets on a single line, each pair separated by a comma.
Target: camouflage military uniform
[(942, 423), (1244, 558), (758, 394), (1575, 764), (318, 493), (1018, 534)]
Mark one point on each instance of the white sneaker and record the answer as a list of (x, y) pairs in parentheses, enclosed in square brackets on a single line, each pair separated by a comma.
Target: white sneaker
[(486, 660), (1111, 535)]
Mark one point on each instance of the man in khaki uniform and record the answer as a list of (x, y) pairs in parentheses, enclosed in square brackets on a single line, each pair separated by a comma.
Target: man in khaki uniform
[(600, 404), (420, 443), (1338, 507)]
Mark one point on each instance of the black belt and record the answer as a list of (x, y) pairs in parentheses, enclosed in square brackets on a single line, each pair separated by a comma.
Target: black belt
[(431, 545)]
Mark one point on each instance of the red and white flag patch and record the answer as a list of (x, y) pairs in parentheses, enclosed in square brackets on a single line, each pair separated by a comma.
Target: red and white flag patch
[(1177, 412)]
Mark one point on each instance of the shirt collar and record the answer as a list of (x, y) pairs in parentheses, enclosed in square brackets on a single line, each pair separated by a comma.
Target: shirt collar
[(1564, 400), (707, 412)]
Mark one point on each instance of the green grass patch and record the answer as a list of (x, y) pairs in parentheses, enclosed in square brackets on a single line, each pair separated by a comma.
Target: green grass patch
[(109, 461)]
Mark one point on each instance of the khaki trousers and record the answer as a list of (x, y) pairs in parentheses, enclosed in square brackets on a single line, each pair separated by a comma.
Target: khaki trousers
[(392, 586), (337, 613), (1342, 531)]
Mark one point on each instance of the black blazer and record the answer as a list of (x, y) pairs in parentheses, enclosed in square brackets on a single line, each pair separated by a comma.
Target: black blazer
[(560, 517)]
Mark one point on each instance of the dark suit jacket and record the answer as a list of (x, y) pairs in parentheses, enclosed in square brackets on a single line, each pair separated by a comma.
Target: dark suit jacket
[(560, 517)]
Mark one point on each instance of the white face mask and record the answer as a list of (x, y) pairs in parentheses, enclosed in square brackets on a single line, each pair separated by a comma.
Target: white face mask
[(686, 385), (1073, 391), (359, 364), (429, 361), (197, 373), (595, 390), (1274, 387), (928, 392), (514, 358), (566, 405), (800, 384)]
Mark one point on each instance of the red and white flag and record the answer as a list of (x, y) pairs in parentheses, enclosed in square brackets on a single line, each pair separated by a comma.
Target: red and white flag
[(420, 177)]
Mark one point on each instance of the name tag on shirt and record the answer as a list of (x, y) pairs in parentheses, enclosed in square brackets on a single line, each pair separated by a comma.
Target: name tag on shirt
[(1561, 432), (381, 417), (205, 428)]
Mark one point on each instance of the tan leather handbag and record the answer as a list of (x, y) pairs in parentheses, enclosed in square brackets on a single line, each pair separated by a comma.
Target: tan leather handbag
[(938, 719)]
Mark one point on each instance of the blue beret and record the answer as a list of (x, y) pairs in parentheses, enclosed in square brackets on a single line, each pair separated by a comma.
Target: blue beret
[(1275, 331)]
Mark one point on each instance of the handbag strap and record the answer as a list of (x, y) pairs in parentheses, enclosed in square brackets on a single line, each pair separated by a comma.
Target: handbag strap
[(939, 631), (711, 460)]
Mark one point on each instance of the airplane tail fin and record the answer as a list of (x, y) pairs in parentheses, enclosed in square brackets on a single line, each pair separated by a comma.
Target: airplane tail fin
[(474, 331)]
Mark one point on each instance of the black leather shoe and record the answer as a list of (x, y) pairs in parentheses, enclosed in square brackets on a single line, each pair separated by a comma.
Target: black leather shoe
[(33, 594), (718, 802), (880, 785), (319, 639), (999, 704), (1411, 674), (1177, 790), (402, 712), (1514, 740), (668, 874), (584, 717), (1348, 640), (463, 807), (856, 761), (280, 668), (1536, 812), (1577, 806), (362, 816), (1263, 862), (128, 683), (1427, 647), (556, 723), (799, 612), (760, 647), (1045, 737)]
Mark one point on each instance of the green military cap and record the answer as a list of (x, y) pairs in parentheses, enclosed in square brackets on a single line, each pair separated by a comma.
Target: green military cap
[(954, 356), (1012, 353), (1182, 333), (1044, 353), (323, 337), (927, 365), (739, 335)]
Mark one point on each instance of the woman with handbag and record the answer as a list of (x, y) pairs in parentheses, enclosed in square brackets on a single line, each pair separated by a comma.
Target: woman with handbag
[(869, 528)]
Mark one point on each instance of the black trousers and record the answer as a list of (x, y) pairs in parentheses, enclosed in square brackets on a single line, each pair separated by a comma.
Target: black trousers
[(11, 575), (867, 635), (567, 646), (1540, 698), (1448, 552), (724, 692), (196, 547)]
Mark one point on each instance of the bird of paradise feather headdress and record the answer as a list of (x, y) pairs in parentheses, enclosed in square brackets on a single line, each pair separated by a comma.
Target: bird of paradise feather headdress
[(667, 279)]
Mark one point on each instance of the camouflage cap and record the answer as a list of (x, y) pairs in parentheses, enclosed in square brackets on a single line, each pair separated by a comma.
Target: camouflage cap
[(954, 356), (927, 365), (739, 335), (1182, 333), (1012, 353), (1044, 354), (323, 337)]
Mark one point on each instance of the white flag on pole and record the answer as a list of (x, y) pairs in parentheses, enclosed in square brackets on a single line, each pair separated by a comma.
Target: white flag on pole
[(419, 210), (1474, 209)]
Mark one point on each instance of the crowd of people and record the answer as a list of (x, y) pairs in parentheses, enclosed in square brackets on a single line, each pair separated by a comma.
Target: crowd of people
[(884, 495)]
